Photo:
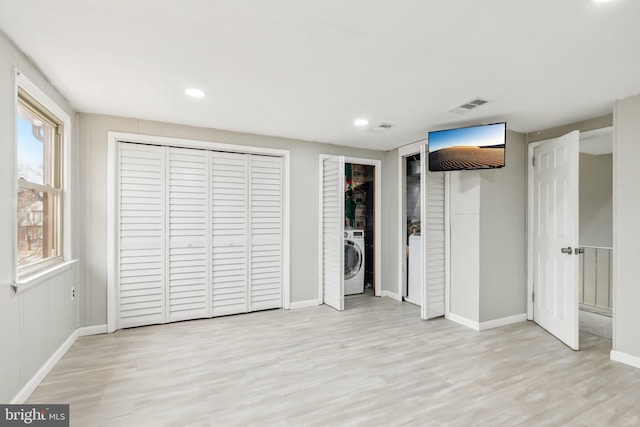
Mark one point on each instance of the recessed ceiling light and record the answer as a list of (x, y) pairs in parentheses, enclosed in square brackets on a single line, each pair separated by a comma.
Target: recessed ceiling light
[(361, 122), (194, 93)]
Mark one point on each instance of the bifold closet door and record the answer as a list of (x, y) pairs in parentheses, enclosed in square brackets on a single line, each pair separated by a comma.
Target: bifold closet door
[(142, 208), (434, 246), (188, 290), (333, 232), (246, 206), (200, 234), (266, 232), (230, 232)]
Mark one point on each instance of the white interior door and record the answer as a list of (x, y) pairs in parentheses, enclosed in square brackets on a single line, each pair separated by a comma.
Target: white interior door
[(433, 244), (333, 231), (555, 272), (188, 290)]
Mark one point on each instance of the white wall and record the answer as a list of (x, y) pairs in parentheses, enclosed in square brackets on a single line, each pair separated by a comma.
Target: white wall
[(626, 308), (596, 200), (304, 200), (503, 255), (33, 323), (488, 231), (464, 223)]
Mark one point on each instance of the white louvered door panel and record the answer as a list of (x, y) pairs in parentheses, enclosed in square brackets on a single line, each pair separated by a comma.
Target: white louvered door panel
[(265, 271), (229, 231), (434, 259), (332, 232), (188, 290), (141, 290)]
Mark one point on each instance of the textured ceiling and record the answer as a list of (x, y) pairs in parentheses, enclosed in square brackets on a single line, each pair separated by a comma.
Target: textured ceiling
[(307, 69)]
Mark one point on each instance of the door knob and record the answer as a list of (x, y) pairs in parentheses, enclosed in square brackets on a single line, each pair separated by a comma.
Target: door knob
[(567, 250)]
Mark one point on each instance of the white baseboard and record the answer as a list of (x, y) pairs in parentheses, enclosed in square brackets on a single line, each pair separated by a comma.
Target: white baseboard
[(483, 326), (504, 321), (627, 359), (92, 330), (464, 321), (35, 381), (409, 300), (391, 295), (303, 304)]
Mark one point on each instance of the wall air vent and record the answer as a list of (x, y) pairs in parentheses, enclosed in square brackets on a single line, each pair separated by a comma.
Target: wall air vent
[(468, 106)]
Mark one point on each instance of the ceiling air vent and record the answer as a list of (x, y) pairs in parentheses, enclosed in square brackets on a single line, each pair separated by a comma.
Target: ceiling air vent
[(384, 126), (468, 106)]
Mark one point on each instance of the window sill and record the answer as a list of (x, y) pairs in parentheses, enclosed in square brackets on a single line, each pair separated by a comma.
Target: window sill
[(23, 284)]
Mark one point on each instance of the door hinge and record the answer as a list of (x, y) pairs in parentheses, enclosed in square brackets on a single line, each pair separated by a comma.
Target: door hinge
[(533, 296), (533, 161)]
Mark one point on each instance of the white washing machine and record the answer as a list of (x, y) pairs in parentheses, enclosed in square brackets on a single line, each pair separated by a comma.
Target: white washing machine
[(353, 262)]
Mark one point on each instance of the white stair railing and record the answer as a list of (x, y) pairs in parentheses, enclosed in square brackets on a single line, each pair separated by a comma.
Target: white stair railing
[(595, 279)]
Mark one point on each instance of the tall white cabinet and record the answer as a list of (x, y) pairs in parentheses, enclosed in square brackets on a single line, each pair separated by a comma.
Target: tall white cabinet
[(199, 233)]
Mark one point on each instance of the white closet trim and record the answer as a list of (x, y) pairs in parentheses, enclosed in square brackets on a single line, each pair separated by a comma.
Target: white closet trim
[(192, 143)]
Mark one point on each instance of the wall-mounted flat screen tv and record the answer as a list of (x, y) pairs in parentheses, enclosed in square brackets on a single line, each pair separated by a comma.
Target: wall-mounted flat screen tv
[(468, 148)]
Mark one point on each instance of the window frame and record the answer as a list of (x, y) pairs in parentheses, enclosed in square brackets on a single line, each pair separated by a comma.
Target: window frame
[(29, 95), (56, 166)]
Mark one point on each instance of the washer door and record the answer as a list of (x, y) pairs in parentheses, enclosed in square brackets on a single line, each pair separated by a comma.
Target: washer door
[(352, 259)]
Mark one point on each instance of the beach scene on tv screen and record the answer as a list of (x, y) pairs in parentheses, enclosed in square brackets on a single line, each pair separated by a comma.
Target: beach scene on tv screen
[(477, 147)]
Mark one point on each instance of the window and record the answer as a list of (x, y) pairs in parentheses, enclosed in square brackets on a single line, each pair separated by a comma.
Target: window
[(39, 186)]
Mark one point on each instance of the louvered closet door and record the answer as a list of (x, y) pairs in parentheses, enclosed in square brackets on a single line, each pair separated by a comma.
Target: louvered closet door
[(188, 290), (229, 231), (435, 250), (333, 232), (266, 233), (141, 291)]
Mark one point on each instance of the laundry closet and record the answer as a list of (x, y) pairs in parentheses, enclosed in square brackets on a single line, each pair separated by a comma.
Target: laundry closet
[(413, 230), (359, 198), (423, 220)]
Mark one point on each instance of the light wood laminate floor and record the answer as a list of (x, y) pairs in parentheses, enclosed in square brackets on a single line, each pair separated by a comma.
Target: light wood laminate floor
[(375, 364)]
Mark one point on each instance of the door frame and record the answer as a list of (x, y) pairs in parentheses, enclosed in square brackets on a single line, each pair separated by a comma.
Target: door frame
[(403, 153), (113, 140), (377, 242), (530, 221)]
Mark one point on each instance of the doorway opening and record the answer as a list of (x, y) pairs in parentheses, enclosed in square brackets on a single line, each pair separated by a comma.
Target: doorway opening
[(412, 233), (359, 230), (424, 233), (349, 255), (596, 233), (570, 235)]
